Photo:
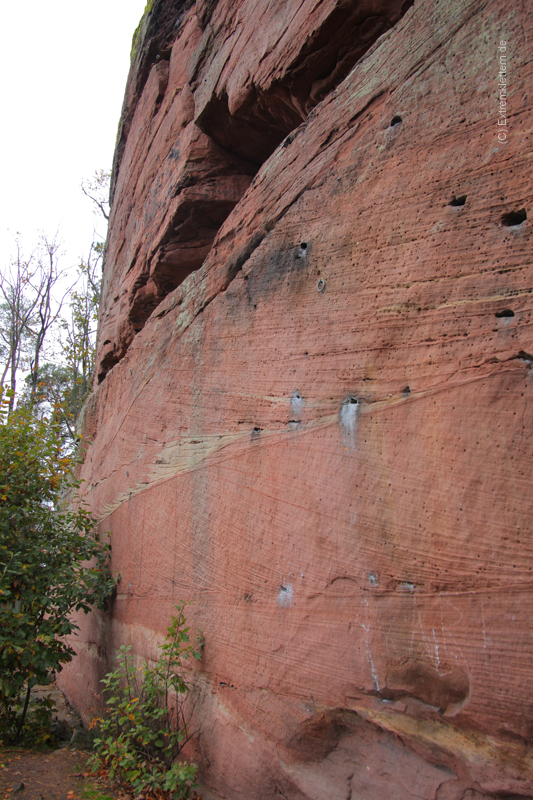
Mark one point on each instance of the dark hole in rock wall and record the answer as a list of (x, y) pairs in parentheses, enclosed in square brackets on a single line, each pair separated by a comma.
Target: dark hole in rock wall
[(109, 356), (254, 135), (182, 251), (458, 201), (202, 210), (505, 312), (513, 218), (318, 737), (265, 118), (145, 300)]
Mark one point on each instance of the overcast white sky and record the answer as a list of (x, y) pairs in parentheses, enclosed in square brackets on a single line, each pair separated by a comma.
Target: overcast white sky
[(63, 66)]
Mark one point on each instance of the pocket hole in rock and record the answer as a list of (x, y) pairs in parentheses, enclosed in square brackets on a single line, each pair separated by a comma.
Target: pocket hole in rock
[(302, 251), (395, 120), (505, 312), (513, 218), (458, 201)]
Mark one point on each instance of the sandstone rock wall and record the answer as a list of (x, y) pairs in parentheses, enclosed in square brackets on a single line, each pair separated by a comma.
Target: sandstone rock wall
[(313, 411)]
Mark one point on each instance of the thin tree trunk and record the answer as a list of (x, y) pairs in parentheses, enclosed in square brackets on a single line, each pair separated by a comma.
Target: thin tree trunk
[(23, 717)]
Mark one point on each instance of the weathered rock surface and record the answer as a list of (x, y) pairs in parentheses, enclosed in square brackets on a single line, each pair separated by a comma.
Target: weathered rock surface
[(314, 404)]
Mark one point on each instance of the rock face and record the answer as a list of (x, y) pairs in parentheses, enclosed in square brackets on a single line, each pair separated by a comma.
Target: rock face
[(313, 410)]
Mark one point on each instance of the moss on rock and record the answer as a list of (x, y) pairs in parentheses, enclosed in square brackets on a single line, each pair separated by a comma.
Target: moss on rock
[(137, 35)]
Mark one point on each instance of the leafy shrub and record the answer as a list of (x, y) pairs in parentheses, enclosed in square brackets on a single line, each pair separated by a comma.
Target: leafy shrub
[(39, 730), (145, 725), (51, 564)]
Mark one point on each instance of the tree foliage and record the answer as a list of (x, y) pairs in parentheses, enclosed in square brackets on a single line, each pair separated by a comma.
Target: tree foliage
[(52, 562), (31, 300), (48, 322), (62, 388), (145, 725)]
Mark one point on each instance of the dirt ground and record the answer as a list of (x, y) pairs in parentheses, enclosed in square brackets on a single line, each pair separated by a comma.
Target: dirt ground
[(51, 775), (59, 774)]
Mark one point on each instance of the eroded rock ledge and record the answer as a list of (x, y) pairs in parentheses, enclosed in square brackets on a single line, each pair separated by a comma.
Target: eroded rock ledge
[(213, 90), (314, 414)]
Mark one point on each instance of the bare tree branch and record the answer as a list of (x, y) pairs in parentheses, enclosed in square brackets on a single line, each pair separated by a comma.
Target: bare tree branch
[(97, 190)]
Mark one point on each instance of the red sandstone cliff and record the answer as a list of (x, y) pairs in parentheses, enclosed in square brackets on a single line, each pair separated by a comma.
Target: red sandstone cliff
[(313, 410)]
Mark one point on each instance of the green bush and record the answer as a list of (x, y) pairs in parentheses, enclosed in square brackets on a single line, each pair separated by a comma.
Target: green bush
[(51, 564), (145, 725)]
